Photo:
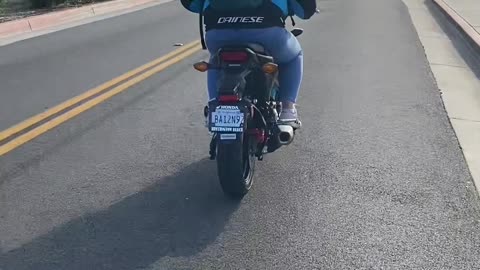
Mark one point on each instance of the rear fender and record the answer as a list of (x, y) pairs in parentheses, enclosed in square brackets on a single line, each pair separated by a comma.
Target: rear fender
[(232, 81)]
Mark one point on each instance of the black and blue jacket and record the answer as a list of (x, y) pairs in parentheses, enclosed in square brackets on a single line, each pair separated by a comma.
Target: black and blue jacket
[(271, 13)]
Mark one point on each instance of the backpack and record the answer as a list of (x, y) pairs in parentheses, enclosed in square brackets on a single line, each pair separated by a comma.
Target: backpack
[(228, 5), (309, 7)]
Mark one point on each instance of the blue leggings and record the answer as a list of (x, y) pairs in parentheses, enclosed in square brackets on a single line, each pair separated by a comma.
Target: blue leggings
[(281, 44)]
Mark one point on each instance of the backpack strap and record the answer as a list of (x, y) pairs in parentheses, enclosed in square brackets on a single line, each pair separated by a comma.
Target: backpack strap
[(200, 25), (291, 13), (202, 34)]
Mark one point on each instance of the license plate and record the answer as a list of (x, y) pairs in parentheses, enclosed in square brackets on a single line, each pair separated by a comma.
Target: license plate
[(227, 119)]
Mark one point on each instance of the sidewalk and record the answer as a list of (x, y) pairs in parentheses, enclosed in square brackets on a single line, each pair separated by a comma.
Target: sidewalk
[(457, 80), (469, 10), (464, 13), (47, 21)]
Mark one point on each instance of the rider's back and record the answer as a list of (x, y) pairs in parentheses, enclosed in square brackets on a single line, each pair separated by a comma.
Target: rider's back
[(225, 14)]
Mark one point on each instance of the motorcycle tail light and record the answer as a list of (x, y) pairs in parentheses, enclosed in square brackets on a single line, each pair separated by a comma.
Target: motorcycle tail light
[(228, 98), (238, 57)]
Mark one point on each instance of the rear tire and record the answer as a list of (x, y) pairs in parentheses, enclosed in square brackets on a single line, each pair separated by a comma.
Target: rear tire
[(236, 166)]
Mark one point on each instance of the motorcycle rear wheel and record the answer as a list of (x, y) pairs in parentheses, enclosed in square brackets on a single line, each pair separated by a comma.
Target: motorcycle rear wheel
[(236, 166)]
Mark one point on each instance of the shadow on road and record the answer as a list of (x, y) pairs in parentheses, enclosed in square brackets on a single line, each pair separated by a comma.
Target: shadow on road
[(178, 216)]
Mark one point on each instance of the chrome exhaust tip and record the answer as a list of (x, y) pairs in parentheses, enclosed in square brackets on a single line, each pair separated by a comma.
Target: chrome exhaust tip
[(285, 134)]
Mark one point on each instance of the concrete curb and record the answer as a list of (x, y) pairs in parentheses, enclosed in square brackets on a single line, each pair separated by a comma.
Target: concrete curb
[(460, 23), (41, 22)]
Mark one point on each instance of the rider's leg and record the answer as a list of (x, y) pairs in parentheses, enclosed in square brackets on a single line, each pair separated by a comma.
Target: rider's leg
[(212, 78), (290, 79)]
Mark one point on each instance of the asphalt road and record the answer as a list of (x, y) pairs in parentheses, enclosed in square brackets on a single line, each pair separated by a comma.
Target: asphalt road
[(374, 180)]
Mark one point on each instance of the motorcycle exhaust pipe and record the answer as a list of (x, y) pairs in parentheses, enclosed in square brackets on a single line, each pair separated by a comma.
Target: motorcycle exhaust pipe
[(285, 134)]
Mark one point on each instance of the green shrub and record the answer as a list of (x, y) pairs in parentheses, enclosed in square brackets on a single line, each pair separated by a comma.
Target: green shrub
[(42, 3), (3, 6), (36, 4)]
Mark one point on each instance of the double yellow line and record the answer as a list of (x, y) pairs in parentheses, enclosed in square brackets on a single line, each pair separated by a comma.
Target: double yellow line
[(35, 126)]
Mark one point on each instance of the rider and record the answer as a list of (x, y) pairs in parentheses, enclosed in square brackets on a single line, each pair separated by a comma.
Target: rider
[(229, 22)]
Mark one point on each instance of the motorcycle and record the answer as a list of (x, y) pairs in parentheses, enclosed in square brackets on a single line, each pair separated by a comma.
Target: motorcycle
[(244, 118)]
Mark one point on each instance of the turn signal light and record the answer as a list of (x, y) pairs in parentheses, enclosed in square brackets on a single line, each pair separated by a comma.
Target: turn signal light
[(201, 66), (270, 68)]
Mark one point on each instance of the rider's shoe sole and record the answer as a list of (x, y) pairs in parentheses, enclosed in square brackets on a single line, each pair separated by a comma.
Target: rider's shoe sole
[(295, 124)]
